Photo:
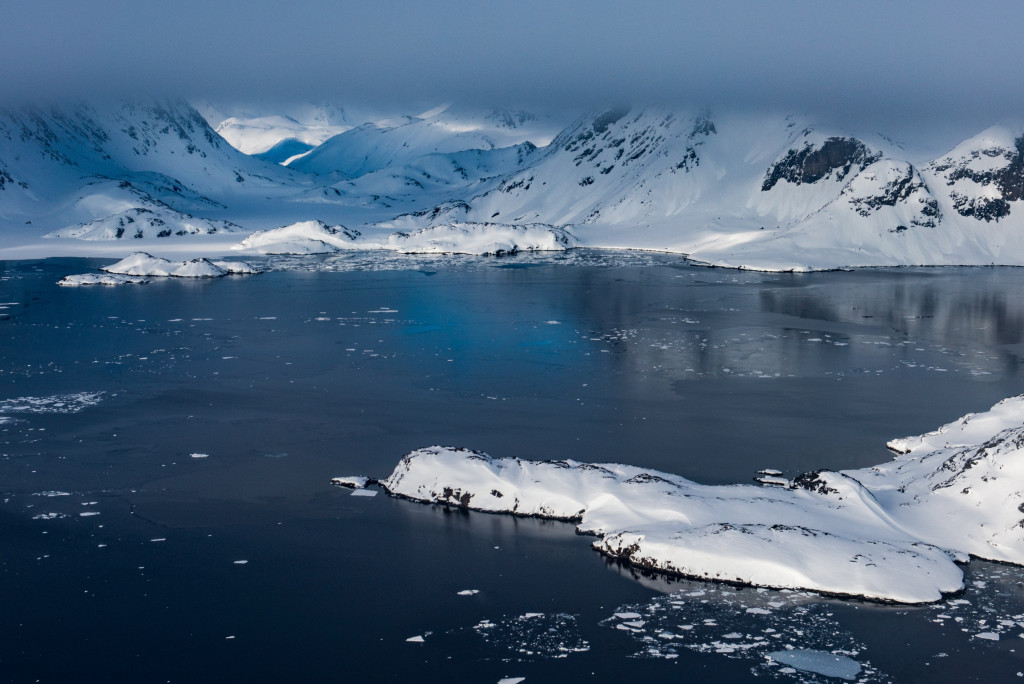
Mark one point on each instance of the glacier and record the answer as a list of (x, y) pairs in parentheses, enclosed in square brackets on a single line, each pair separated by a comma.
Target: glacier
[(892, 532)]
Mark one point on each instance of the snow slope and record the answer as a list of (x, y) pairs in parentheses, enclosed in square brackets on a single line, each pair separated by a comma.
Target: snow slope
[(256, 129), (893, 532)]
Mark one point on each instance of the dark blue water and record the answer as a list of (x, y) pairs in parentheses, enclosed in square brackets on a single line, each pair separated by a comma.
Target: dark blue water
[(287, 379)]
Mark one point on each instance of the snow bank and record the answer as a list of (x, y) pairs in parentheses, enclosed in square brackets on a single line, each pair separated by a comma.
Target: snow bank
[(143, 264), (892, 532)]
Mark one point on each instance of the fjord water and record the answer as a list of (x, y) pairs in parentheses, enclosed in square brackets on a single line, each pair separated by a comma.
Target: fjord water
[(218, 411)]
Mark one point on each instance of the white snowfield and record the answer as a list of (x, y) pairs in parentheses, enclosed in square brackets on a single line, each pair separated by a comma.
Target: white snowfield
[(316, 237), (143, 264), (892, 532)]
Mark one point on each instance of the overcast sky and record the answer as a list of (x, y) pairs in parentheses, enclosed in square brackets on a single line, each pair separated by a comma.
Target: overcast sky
[(897, 66)]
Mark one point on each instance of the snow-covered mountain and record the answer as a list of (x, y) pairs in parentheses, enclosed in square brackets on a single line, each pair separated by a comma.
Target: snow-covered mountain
[(258, 129), (743, 190), (764, 192), (132, 169), (405, 140)]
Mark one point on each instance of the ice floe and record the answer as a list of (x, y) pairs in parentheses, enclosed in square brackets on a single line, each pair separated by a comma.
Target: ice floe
[(892, 532), (747, 624), (59, 403), (533, 635), (819, 662), (144, 264)]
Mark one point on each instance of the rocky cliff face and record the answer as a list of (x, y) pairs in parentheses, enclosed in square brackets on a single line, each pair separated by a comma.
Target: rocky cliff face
[(985, 175), (836, 157)]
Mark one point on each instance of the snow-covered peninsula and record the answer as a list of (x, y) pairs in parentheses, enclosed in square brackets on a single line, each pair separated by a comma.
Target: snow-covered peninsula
[(893, 532)]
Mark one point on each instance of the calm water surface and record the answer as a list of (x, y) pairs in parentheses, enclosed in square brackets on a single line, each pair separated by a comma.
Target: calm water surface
[(339, 366)]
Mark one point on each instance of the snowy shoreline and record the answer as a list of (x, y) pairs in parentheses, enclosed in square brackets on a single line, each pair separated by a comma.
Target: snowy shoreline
[(895, 532)]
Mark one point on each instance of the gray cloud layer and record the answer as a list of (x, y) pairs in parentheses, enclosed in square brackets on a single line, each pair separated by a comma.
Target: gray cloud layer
[(870, 63)]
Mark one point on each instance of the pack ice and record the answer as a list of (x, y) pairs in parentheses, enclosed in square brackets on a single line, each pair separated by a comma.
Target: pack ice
[(893, 532)]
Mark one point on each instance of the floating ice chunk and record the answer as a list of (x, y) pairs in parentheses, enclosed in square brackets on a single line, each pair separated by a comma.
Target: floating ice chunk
[(364, 492), (511, 680), (415, 639), (52, 493), (59, 403), (468, 592), (351, 481), (241, 562), (86, 514), (819, 662), (200, 455), (628, 616), (988, 636)]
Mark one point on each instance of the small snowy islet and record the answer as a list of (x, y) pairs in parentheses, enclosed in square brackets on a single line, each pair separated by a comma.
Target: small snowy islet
[(144, 264)]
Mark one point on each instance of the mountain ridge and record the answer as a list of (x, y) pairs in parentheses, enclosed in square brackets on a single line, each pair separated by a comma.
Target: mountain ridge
[(756, 191)]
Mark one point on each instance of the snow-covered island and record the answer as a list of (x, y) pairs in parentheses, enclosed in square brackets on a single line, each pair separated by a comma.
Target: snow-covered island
[(892, 532), (84, 279), (143, 264), (498, 239)]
